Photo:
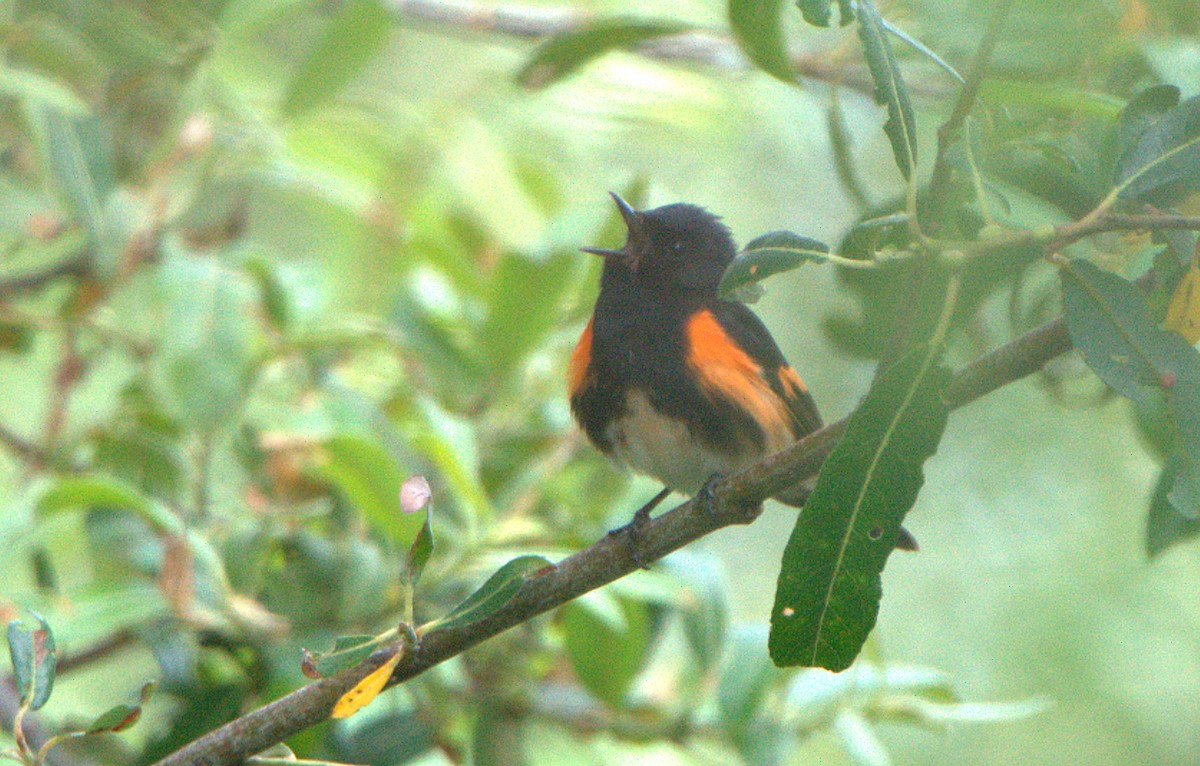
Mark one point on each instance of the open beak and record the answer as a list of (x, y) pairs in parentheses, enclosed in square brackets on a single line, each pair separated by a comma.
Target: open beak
[(633, 222)]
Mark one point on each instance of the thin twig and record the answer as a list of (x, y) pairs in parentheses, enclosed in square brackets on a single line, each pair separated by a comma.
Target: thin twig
[(74, 266), (733, 501)]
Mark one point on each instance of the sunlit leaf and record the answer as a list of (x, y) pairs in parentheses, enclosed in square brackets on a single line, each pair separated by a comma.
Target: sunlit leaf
[(901, 125), (351, 40), (606, 657), (367, 689), (829, 584), (563, 54), (757, 27)]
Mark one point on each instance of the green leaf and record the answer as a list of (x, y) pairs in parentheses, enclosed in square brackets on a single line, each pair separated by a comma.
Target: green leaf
[(1163, 165), (757, 27), (829, 585), (770, 254), (820, 12), (370, 480), (1111, 326), (100, 491), (524, 300), (210, 315), (34, 661), (418, 554), (352, 39), (493, 594), (705, 607), (121, 717), (347, 652), (605, 653), (564, 54), (1055, 98), (1141, 113), (1166, 526), (921, 48), (901, 125), (78, 154)]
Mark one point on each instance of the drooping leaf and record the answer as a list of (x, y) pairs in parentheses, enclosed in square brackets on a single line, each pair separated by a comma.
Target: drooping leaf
[(564, 54), (493, 594), (34, 660), (1163, 164), (367, 689), (1110, 325), (901, 125), (605, 653), (352, 39), (121, 717), (770, 254), (1165, 525), (829, 585), (757, 27), (100, 491)]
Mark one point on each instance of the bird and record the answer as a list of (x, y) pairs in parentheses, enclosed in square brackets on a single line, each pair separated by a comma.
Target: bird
[(670, 379)]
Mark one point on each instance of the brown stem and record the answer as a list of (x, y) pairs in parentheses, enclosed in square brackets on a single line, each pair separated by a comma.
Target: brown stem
[(733, 502)]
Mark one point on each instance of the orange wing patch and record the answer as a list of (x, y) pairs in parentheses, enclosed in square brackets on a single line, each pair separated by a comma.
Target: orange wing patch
[(724, 369), (581, 360)]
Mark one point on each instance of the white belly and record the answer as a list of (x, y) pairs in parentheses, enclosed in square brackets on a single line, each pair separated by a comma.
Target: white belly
[(661, 447)]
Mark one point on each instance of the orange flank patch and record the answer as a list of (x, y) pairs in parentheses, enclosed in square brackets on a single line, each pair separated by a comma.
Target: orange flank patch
[(725, 370), (581, 359), (792, 384)]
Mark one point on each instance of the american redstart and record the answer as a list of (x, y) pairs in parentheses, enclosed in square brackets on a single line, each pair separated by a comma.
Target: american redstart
[(670, 379)]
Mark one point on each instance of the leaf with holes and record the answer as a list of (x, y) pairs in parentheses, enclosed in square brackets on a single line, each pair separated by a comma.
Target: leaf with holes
[(829, 586)]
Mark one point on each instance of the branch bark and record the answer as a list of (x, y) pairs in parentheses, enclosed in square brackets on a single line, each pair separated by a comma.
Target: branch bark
[(735, 500)]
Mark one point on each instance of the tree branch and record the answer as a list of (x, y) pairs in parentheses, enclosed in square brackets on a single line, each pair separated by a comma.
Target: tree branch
[(735, 500)]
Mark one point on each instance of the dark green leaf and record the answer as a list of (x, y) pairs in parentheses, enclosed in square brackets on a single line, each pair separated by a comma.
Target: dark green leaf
[(1165, 525), (1110, 325), (1141, 112), (368, 477), (1163, 165), (565, 53), (829, 585), (820, 12), (418, 554), (757, 27), (493, 594), (607, 653), (353, 38), (34, 661), (901, 125), (770, 254)]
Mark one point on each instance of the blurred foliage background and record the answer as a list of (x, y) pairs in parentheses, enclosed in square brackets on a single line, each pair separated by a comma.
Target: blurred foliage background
[(264, 259)]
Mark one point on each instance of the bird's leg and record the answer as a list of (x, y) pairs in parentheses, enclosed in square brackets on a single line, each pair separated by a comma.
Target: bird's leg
[(634, 527)]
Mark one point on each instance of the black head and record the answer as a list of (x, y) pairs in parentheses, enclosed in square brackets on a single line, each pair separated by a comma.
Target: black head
[(682, 247)]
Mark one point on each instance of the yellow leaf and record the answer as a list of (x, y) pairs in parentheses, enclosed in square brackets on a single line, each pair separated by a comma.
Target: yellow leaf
[(367, 689), (1183, 312)]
